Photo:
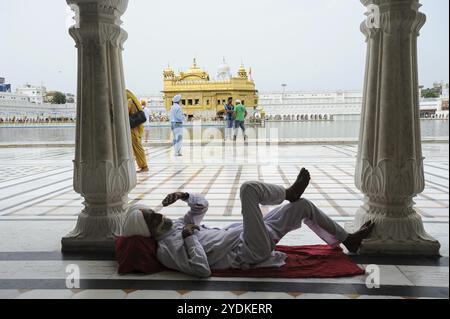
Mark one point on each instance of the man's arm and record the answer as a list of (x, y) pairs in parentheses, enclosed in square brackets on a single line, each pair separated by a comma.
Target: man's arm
[(197, 202), (198, 261), (199, 206), (180, 116), (189, 258)]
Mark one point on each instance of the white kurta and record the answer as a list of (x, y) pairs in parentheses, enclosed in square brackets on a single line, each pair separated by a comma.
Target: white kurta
[(245, 245)]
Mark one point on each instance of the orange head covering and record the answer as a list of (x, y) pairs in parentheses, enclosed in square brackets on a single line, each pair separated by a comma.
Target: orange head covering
[(131, 96)]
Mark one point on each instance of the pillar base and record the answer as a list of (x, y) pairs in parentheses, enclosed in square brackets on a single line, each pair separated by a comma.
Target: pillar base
[(87, 245), (94, 234), (407, 248), (404, 235)]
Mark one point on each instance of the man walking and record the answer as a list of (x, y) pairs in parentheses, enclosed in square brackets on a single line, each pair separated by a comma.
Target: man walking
[(240, 112), (176, 120), (229, 121)]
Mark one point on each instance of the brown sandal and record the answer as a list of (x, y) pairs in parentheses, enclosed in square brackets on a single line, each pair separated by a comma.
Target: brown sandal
[(143, 170)]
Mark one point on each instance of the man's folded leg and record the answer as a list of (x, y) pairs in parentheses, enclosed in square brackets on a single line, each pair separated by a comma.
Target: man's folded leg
[(258, 244), (264, 193), (324, 227), (287, 218)]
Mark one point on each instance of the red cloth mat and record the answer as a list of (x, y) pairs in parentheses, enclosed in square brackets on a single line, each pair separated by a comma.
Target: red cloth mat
[(304, 262), (138, 254)]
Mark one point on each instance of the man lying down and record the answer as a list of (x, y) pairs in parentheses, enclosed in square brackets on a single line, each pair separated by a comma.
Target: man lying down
[(192, 248)]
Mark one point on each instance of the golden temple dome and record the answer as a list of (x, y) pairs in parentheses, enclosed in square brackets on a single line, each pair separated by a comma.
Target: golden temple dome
[(194, 73), (168, 73), (242, 72), (205, 97)]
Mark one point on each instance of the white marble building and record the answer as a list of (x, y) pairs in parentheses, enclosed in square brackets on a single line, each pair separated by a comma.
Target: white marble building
[(14, 99), (35, 93), (311, 103), (19, 106), (326, 105), (155, 102)]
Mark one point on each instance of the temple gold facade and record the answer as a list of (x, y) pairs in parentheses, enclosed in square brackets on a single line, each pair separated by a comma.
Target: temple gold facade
[(203, 96)]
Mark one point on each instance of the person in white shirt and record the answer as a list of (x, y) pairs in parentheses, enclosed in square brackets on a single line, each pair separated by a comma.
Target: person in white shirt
[(195, 249), (147, 123), (177, 119)]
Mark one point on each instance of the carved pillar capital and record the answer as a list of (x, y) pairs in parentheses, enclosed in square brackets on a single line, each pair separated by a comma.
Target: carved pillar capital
[(98, 22), (105, 8), (397, 18)]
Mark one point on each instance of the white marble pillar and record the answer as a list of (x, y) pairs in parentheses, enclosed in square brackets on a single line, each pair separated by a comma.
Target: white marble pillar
[(104, 170), (389, 167)]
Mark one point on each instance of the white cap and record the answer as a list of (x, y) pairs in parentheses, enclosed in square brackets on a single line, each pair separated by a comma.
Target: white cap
[(238, 101), (135, 224), (176, 98)]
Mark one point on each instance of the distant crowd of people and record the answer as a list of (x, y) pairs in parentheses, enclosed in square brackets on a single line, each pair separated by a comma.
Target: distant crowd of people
[(162, 117), (43, 120), (156, 117)]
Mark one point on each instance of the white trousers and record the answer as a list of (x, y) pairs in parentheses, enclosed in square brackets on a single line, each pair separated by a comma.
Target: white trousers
[(177, 130), (261, 234)]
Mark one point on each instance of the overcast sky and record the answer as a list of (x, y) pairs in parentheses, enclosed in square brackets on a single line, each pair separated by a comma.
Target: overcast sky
[(309, 45)]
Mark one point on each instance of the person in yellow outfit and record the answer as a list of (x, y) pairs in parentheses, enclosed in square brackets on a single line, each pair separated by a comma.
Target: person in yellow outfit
[(135, 106)]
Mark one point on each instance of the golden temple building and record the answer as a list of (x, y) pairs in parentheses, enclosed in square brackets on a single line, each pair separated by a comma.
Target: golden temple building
[(203, 96)]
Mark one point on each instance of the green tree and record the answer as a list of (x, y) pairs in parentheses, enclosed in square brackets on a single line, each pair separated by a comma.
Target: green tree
[(429, 93), (59, 98)]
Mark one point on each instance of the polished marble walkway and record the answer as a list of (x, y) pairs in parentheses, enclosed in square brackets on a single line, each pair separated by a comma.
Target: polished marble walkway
[(38, 206)]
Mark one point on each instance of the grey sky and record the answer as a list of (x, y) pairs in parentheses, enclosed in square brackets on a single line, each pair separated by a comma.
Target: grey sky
[(309, 45)]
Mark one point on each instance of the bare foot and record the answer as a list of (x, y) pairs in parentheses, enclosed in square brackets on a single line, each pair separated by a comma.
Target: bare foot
[(353, 241), (295, 192)]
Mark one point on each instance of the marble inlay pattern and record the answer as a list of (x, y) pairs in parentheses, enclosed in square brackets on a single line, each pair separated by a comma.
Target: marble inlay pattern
[(38, 182)]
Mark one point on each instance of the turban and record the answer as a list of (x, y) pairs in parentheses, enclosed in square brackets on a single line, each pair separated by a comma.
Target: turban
[(135, 224), (176, 98)]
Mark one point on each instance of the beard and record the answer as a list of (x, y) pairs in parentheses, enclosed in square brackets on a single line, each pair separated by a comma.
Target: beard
[(163, 228)]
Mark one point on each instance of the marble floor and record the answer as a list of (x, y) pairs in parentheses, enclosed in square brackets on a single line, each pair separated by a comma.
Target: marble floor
[(38, 206)]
